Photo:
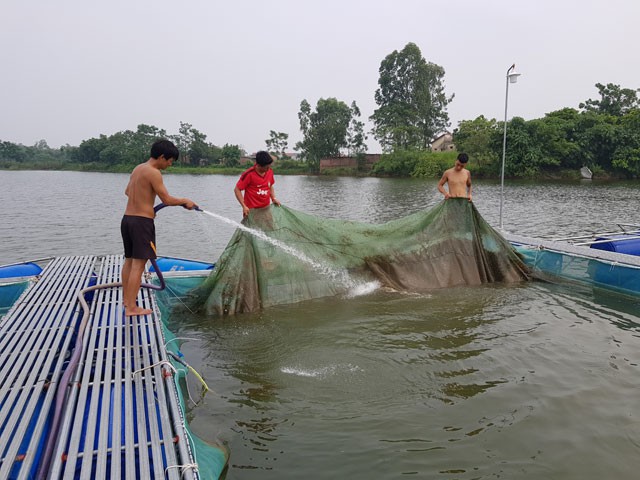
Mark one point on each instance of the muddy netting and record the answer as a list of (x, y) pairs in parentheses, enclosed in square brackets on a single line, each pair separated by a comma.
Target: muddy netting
[(293, 256)]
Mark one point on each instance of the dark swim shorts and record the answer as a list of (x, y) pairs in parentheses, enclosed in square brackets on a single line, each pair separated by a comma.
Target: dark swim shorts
[(138, 236)]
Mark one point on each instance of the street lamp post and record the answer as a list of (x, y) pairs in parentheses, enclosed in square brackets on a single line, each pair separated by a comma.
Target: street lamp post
[(512, 77)]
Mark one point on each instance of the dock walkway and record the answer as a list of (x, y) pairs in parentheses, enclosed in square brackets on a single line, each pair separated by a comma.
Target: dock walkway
[(121, 416)]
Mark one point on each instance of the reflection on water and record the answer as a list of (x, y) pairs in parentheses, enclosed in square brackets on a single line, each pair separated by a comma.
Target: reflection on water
[(532, 381), (469, 383)]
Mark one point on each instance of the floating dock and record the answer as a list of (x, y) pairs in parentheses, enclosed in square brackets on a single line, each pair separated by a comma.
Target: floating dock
[(120, 414), (597, 267)]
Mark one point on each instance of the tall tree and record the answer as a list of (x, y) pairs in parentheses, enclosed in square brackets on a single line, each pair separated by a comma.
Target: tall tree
[(627, 154), (523, 155), (231, 155), (277, 143), (598, 135), (118, 150), (412, 105), (205, 153), (613, 101), (128, 147), (355, 133), (12, 152), (89, 150), (142, 140), (557, 135), (324, 130), (186, 139), (475, 137)]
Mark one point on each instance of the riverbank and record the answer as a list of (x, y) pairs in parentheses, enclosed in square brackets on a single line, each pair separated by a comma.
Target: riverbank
[(179, 169), (560, 175)]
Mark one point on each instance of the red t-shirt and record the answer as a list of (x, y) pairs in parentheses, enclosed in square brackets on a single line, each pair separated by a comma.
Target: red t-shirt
[(256, 188)]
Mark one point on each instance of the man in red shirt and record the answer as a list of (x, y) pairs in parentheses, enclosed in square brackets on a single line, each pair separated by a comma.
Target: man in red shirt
[(257, 183)]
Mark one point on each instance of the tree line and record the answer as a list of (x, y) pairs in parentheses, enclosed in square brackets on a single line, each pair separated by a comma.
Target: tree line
[(603, 134), (122, 149)]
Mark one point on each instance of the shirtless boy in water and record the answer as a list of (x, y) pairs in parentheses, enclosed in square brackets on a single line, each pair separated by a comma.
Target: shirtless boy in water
[(458, 179), (137, 226)]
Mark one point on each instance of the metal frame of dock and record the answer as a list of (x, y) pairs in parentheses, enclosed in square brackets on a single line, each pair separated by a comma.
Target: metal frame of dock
[(122, 416)]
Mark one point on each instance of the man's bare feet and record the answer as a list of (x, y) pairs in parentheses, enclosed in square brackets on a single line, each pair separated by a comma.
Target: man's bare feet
[(131, 312)]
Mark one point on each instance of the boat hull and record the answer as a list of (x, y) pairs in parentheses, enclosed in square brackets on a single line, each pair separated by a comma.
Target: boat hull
[(596, 267)]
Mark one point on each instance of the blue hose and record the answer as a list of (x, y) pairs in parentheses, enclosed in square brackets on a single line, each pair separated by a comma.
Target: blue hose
[(160, 206)]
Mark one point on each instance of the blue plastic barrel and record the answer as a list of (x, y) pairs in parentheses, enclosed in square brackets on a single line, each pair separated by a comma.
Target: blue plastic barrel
[(619, 244), (169, 264), (27, 269)]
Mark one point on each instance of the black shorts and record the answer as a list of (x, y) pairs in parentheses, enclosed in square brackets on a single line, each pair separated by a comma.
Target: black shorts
[(138, 237)]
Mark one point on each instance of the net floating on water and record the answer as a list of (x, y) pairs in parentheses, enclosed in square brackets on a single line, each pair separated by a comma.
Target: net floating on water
[(302, 257)]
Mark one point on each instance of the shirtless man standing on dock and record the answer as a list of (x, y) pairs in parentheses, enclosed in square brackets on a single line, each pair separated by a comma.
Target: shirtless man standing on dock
[(137, 226), (457, 178)]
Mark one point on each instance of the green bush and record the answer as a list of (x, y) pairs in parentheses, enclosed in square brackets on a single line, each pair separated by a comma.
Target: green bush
[(433, 164), (400, 163)]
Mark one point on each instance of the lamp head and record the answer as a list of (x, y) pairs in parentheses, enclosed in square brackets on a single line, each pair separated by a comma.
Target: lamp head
[(512, 75)]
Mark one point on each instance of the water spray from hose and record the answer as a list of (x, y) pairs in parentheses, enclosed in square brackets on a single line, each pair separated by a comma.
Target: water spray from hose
[(341, 276)]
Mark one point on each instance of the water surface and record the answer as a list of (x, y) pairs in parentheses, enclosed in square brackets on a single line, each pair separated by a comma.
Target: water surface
[(529, 381)]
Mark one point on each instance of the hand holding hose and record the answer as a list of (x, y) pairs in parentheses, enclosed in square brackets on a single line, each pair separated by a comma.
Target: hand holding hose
[(190, 205)]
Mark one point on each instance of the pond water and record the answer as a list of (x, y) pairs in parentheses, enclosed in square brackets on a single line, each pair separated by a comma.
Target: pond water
[(529, 381)]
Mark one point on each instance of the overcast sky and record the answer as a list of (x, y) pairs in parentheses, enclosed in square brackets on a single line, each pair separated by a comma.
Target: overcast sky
[(75, 69)]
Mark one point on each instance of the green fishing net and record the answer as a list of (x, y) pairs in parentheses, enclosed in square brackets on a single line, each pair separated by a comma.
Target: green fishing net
[(293, 256)]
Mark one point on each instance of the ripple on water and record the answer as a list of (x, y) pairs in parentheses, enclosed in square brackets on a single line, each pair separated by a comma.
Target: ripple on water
[(522, 382)]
